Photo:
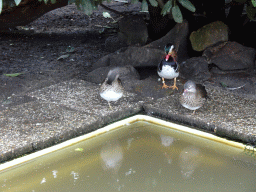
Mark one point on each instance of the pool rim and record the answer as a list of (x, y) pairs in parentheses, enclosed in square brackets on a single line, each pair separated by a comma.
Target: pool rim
[(115, 125)]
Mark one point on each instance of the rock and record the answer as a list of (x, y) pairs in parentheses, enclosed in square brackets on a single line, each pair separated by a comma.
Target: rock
[(112, 43), (209, 35), (231, 56), (126, 72), (151, 54), (11, 86), (150, 87), (26, 12), (135, 56), (133, 30), (178, 36), (195, 68)]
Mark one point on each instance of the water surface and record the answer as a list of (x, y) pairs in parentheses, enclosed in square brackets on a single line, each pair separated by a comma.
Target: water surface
[(138, 157)]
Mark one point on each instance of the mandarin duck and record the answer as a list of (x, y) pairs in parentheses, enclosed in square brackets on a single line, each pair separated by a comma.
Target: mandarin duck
[(168, 68), (111, 89), (193, 96)]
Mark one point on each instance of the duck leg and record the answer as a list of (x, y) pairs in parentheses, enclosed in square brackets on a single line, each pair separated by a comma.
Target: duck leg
[(174, 85), (164, 85), (110, 106)]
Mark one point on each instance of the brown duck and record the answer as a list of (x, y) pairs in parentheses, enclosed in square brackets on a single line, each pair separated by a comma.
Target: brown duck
[(111, 89), (193, 96)]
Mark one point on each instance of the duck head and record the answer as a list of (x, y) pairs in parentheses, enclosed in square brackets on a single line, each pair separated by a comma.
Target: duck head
[(170, 52), (189, 86)]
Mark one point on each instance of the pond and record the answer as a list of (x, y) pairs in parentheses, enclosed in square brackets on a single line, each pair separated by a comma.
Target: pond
[(138, 156)]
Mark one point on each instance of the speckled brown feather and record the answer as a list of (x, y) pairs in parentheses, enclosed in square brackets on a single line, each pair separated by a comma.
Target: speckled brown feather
[(193, 100)]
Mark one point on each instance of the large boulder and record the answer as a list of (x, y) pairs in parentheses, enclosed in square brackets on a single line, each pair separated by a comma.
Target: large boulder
[(195, 68), (151, 54), (178, 36), (135, 56), (209, 35), (26, 12), (231, 56)]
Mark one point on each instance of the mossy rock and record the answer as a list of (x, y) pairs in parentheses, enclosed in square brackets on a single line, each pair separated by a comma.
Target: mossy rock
[(209, 35)]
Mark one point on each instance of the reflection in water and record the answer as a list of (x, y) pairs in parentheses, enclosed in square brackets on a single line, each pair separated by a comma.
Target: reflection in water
[(75, 175), (43, 180), (150, 182), (131, 171), (189, 160), (129, 141), (143, 157), (54, 173), (166, 140), (112, 155)]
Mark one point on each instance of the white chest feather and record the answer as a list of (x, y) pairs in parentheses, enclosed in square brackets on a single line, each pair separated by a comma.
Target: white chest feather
[(168, 72), (191, 101), (110, 95)]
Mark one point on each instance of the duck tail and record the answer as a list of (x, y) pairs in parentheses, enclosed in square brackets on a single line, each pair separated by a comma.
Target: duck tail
[(203, 91)]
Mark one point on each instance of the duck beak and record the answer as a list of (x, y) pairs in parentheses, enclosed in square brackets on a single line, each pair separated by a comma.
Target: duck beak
[(172, 53), (167, 57)]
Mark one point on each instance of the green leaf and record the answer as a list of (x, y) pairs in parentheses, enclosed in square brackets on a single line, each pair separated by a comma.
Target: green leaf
[(45, 1), (17, 2), (176, 13), (254, 3), (251, 11), (154, 3), (167, 7), (106, 15), (70, 49), (223, 84), (87, 7), (1, 6), (63, 57), (188, 5), (144, 6), (13, 74), (53, 1)]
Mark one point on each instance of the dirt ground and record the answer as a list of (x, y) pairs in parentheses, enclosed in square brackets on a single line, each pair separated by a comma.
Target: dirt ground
[(63, 44), (40, 50)]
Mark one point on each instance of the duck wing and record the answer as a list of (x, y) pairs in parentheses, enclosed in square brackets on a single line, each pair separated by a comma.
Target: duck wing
[(202, 91)]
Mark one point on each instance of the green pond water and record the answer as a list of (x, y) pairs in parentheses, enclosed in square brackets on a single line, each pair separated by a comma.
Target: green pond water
[(137, 157)]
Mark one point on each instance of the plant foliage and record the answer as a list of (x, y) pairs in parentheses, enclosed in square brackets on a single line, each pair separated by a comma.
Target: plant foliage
[(176, 13), (250, 8), (154, 3), (144, 6), (167, 7), (173, 7), (170, 7), (254, 3), (1, 6), (188, 5)]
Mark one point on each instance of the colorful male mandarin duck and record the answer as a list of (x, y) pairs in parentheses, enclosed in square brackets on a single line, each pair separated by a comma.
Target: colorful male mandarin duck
[(111, 89), (168, 68), (193, 96)]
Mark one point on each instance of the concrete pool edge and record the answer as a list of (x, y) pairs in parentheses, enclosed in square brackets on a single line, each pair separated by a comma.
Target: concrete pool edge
[(116, 125)]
